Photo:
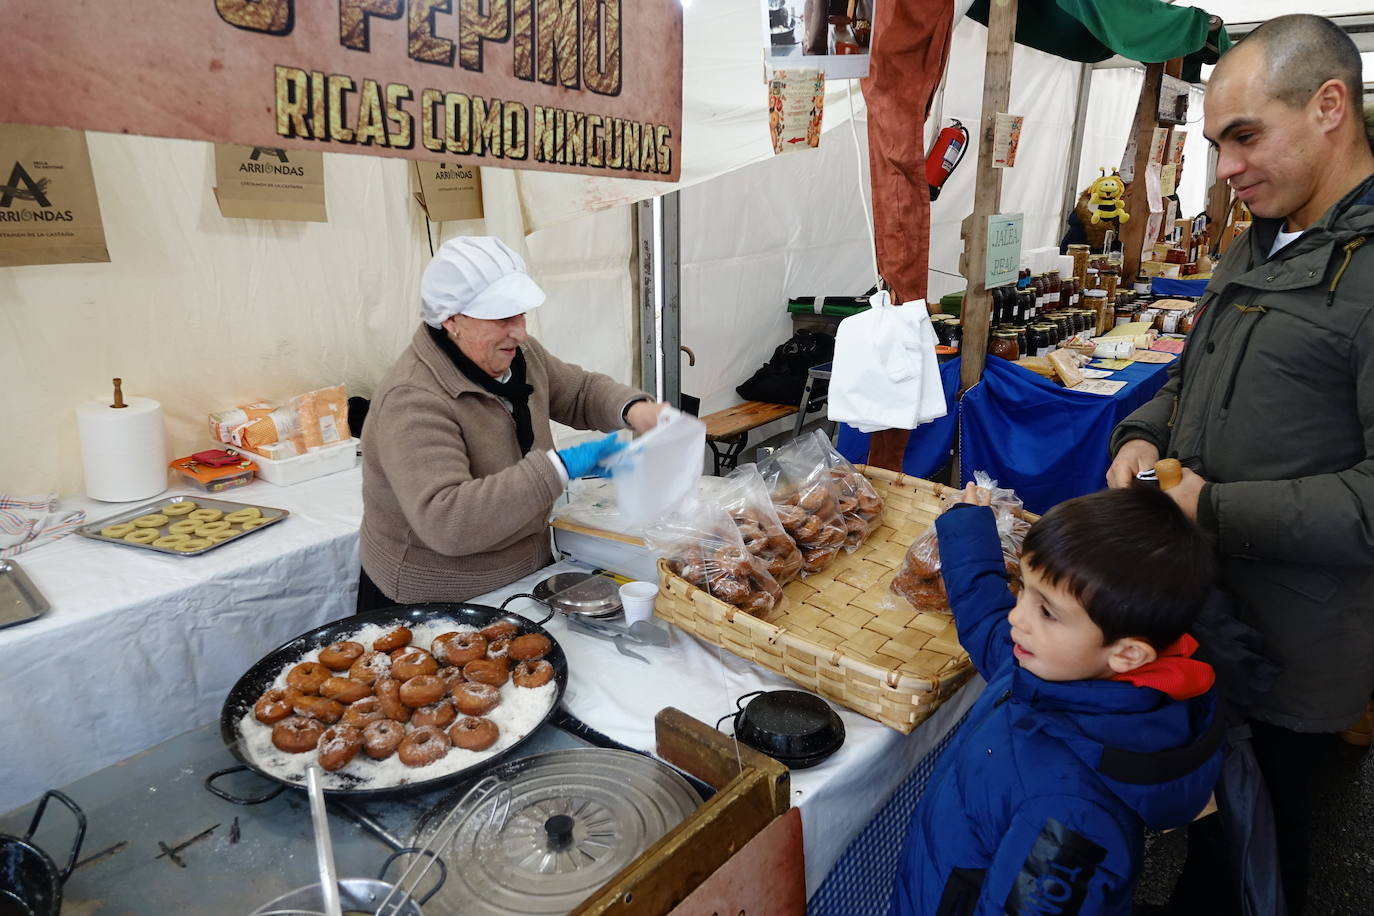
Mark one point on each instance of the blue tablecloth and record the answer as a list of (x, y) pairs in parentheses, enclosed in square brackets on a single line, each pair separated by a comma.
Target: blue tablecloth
[(1045, 441)]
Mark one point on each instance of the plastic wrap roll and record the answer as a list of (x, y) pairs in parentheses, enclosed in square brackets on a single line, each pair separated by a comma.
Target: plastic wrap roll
[(123, 449)]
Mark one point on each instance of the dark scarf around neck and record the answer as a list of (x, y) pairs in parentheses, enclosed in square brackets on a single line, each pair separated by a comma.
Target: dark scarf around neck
[(516, 391)]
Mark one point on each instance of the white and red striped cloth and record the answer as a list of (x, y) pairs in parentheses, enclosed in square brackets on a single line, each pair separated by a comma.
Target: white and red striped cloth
[(28, 523)]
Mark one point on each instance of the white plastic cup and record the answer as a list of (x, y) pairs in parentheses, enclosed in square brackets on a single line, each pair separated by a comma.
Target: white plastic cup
[(637, 598)]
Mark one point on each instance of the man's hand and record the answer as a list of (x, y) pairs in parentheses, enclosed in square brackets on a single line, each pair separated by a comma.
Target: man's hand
[(644, 415), (1135, 456), (1186, 493)]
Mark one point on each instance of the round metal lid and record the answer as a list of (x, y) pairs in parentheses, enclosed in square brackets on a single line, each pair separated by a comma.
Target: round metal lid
[(588, 594), (577, 817)]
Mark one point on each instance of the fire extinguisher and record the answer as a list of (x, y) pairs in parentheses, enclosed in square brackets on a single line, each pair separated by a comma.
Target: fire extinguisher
[(947, 152)]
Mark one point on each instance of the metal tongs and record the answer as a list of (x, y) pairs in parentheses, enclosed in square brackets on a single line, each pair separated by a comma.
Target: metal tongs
[(1167, 472), (641, 633), (489, 790)]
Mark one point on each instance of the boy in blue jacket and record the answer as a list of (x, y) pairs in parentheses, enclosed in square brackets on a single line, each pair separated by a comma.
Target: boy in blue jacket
[(1095, 723)]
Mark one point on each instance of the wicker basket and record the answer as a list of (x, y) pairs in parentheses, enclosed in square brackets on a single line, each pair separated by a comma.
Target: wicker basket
[(841, 633)]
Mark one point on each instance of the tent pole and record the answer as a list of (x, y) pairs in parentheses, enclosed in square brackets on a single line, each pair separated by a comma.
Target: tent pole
[(670, 334), (987, 195), (656, 266), (645, 319), (1074, 167)]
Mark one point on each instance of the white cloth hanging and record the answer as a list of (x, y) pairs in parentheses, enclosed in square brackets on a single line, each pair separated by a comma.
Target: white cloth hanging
[(885, 374)]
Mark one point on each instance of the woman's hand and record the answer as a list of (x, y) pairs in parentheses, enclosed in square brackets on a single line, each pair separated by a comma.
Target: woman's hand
[(645, 415)]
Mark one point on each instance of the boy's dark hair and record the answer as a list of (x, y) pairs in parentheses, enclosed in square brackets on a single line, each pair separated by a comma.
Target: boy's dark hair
[(1131, 557)]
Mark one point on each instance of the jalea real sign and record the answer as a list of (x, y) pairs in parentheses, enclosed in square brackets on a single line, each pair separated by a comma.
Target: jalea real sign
[(589, 86)]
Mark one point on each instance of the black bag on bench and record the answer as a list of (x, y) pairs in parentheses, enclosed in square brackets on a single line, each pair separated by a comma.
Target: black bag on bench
[(782, 379)]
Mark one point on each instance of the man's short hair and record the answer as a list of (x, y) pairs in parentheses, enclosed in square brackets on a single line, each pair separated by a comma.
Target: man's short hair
[(1131, 557), (1301, 52)]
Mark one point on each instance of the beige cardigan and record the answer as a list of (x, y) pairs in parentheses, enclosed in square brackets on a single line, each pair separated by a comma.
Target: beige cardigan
[(450, 508)]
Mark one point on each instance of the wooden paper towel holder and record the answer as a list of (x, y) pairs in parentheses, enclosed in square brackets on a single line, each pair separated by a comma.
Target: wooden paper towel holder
[(119, 395)]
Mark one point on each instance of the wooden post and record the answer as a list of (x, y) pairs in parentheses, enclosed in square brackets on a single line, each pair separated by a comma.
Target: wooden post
[(987, 195), (1137, 205)]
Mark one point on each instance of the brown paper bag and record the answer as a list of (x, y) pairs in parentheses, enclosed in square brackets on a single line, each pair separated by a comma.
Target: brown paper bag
[(260, 182), (49, 213), (449, 190)]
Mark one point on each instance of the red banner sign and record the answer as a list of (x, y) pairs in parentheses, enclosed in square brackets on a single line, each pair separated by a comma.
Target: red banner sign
[(588, 86)]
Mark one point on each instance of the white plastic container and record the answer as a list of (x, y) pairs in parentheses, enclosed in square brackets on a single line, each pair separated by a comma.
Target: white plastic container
[(328, 460)]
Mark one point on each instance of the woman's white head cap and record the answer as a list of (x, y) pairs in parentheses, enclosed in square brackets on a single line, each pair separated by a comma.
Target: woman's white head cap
[(477, 276)]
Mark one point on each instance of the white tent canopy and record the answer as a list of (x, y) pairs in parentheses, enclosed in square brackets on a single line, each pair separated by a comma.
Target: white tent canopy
[(202, 312)]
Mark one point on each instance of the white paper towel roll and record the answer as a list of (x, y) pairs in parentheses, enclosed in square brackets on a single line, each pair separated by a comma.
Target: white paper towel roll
[(123, 449)]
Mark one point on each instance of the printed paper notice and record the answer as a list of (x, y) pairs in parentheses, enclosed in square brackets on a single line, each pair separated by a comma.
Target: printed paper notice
[(1168, 179), (1006, 137), (49, 213), (796, 101), (1098, 386)]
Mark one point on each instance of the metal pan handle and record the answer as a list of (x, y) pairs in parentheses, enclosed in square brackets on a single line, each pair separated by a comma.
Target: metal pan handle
[(238, 799), (416, 850), (539, 623), (80, 826)]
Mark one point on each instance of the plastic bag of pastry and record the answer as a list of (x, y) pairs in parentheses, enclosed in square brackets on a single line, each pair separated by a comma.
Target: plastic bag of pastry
[(322, 416), (919, 580), (701, 543), (806, 499), (859, 502), (224, 422), (745, 496), (279, 425)]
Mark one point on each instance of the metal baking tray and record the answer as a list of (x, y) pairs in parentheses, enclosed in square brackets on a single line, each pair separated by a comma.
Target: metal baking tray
[(20, 599), (202, 502)]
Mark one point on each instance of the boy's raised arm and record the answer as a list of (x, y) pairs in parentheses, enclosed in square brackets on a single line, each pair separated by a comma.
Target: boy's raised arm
[(976, 582)]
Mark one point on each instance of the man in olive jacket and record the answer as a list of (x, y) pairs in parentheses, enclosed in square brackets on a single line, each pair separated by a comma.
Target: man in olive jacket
[(1271, 407)]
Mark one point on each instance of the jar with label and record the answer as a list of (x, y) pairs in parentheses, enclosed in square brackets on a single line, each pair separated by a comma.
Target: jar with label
[(1093, 279), (956, 333), (1055, 286), (1142, 284), (1049, 337), (1095, 301), (1080, 260), (999, 296), (1124, 315), (1004, 345), (1022, 345), (1110, 279)]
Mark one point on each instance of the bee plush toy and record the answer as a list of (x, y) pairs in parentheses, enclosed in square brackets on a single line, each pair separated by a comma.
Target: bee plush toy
[(1105, 198)]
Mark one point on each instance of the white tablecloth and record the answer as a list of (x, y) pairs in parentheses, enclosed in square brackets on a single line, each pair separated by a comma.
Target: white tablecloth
[(148, 646)]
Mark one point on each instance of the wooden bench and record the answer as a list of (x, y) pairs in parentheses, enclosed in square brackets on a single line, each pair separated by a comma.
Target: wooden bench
[(727, 431)]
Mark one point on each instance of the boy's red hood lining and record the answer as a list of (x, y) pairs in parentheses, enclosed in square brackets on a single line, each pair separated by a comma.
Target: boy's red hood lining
[(1175, 672)]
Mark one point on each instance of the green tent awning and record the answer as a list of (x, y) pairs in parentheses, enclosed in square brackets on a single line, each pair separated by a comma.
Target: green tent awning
[(1149, 31)]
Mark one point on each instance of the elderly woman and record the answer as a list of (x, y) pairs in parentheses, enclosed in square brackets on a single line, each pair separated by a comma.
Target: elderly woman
[(459, 469)]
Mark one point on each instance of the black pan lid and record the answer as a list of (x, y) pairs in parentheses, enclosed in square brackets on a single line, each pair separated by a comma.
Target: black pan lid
[(790, 725)]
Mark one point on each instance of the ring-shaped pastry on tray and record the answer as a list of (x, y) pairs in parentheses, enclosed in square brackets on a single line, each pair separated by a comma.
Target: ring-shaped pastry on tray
[(243, 515), (192, 545), (254, 523), (117, 531), (185, 526), (142, 536), (171, 540), (173, 510), (205, 515), (209, 528), (150, 521)]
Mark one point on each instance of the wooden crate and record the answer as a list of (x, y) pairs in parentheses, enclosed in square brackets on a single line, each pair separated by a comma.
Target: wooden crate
[(842, 633)]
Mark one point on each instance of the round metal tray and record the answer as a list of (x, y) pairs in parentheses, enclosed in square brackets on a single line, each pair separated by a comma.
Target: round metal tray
[(584, 594), (577, 817)]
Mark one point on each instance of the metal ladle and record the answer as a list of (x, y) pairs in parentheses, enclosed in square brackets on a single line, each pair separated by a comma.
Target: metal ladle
[(324, 847)]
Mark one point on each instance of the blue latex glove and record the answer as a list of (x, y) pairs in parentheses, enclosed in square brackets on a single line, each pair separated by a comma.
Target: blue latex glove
[(585, 459)]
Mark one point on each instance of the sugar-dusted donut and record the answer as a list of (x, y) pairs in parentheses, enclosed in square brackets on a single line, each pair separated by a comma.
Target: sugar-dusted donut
[(476, 699), (388, 692), (486, 671), (398, 638), (499, 649), (458, 648), (382, 737), (421, 690), (338, 745), (370, 666), (535, 673), (440, 714), (451, 675), (473, 734), (297, 734), (322, 708), (117, 531), (344, 690), (529, 646), (340, 655), (361, 712), (411, 662), (501, 629), (423, 746), (271, 707), (307, 677)]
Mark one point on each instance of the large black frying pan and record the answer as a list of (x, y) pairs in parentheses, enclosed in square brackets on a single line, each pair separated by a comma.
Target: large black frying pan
[(258, 678), (30, 882)]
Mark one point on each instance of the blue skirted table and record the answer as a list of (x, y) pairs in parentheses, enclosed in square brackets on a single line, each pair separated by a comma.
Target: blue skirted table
[(1044, 441)]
